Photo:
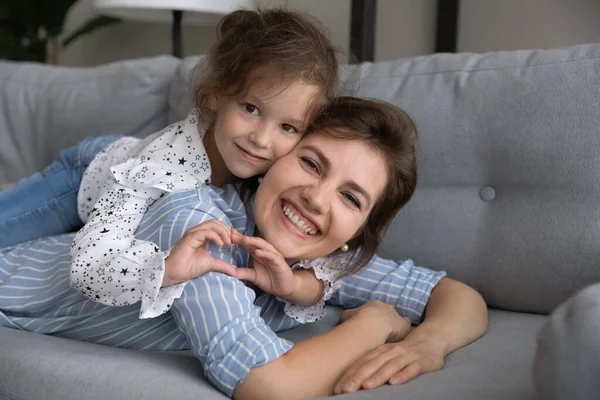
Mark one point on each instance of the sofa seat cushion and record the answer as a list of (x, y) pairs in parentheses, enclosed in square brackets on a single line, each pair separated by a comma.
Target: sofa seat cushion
[(498, 366)]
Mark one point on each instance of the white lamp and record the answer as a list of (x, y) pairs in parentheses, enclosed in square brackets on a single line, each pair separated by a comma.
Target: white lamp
[(198, 12)]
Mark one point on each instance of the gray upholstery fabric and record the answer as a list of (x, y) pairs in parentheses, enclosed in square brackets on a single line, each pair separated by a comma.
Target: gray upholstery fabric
[(522, 128), (567, 359), (44, 109), (508, 167), (33, 367), (180, 99)]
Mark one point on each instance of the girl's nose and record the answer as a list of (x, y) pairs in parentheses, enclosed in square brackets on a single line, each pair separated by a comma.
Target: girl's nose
[(261, 136)]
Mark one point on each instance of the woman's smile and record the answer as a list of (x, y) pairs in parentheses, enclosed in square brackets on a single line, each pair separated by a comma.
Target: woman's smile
[(297, 221)]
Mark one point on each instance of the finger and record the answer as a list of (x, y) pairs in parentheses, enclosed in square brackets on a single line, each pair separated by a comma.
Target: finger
[(270, 259), (212, 236), (197, 239), (354, 378), (362, 370), (246, 274), (218, 227), (206, 224), (218, 265), (222, 230), (385, 372), (411, 371), (238, 238), (252, 243)]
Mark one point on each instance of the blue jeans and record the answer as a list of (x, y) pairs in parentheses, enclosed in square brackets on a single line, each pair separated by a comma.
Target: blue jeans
[(45, 203)]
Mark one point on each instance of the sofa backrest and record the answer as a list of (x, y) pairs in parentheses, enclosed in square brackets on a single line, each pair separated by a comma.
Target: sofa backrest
[(509, 155), (509, 171), (44, 109), (509, 168)]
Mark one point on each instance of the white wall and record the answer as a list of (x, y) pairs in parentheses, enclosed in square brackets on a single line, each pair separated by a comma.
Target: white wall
[(405, 28), (487, 25)]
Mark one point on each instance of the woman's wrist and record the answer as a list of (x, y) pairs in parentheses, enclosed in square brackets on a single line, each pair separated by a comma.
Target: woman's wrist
[(427, 333)]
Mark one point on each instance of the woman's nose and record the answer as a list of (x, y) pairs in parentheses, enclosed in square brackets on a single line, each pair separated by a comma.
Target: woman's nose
[(317, 197)]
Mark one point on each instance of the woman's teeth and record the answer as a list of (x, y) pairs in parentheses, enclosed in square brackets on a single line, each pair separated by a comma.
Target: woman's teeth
[(301, 224)]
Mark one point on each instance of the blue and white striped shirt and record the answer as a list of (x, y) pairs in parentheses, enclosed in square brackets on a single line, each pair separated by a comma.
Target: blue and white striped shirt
[(217, 316)]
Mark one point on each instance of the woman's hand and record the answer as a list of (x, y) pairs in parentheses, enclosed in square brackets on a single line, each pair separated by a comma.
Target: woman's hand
[(455, 316), (398, 326), (393, 363), (189, 258), (269, 271)]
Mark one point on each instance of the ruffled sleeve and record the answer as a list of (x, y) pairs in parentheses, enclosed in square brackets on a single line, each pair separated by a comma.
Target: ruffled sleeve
[(328, 270)]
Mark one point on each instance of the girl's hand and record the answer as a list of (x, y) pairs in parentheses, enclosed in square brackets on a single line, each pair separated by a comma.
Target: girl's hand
[(393, 363), (189, 258), (269, 272)]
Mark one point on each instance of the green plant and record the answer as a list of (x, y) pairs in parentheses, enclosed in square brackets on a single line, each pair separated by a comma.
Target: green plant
[(30, 30)]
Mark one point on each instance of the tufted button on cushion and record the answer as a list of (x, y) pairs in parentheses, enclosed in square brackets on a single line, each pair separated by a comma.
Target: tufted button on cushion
[(487, 193)]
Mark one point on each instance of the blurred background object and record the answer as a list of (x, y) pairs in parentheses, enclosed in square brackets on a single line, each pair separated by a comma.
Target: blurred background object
[(32, 30), (396, 28), (197, 12)]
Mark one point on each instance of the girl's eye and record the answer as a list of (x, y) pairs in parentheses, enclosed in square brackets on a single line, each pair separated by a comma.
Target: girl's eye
[(310, 164), (251, 109), (289, 128), (352, 199)]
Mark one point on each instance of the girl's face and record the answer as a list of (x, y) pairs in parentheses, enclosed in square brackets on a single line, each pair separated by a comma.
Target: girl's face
[(319, 196), (252, 132)]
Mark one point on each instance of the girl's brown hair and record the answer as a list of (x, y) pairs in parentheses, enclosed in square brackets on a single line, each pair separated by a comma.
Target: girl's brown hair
[(283, 46), (392, 133)]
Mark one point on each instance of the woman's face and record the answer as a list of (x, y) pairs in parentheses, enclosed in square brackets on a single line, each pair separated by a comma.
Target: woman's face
[(317, 197)]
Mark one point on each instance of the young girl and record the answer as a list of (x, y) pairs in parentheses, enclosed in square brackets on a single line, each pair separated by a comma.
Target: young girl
[(349, 183), (259, 87)]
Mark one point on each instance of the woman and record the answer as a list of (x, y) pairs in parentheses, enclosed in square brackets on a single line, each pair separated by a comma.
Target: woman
[(217, 316)]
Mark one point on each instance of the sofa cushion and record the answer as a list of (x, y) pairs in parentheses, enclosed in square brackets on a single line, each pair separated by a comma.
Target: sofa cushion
[(508, 163), (45, 109), (497, 367), (508, 171), (567, 359), (180, 98)]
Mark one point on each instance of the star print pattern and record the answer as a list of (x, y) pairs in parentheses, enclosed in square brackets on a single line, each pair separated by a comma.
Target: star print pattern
[(108, 264)]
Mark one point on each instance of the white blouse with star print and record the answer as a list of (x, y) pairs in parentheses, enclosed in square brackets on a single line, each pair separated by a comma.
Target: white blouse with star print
[(107, 263)]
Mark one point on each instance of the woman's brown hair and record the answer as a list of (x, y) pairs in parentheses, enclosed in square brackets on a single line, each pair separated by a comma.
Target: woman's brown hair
[(391, 133), (282, 46)]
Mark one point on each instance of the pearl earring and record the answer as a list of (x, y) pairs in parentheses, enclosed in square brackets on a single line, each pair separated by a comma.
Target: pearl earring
[(344, 247), (260, 178)]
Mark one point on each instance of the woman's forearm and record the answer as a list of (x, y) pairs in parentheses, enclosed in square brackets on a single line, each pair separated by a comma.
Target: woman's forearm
[(455, 316), (313, 367)]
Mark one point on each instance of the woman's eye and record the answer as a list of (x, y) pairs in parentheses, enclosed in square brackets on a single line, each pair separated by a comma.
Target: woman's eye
[(310, 164), (251, 109), (289, 128), (352, 199)]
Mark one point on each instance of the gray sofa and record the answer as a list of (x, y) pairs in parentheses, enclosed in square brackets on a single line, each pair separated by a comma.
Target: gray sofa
[(506, 202)]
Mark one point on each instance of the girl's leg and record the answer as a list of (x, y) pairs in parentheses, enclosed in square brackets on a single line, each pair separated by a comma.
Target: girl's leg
[(45, 203)]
